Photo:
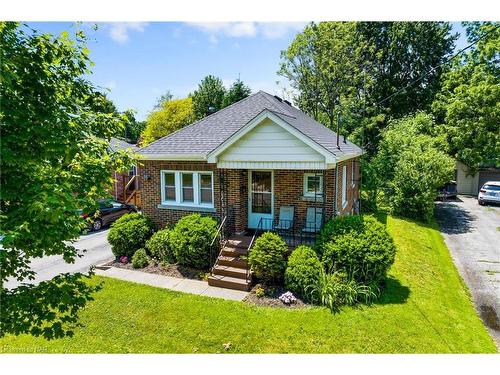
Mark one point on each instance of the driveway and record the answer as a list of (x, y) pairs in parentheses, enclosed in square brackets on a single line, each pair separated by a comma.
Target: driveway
[(472, 233), (97, 251)]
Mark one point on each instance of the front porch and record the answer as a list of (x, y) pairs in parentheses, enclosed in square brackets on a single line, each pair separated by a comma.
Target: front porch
[(293, 203)]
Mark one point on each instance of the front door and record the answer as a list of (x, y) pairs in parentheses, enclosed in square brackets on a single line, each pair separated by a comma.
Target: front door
[(260, 199)]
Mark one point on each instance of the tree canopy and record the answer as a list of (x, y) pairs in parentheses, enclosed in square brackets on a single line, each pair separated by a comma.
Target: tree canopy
[(211, 95), (208, 97), (411, 165), (236, 92), (55, 161), (468, 105), (349, 68), (172, 116)]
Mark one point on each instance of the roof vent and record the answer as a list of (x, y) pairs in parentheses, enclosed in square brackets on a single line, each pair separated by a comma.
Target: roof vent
[(287, 102), (277, 97)]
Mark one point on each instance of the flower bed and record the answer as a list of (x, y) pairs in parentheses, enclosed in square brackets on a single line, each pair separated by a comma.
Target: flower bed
[(271, 298), (173, 270)]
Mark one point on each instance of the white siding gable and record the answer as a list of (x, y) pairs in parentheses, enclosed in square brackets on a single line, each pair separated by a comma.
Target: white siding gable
[(269, 142)]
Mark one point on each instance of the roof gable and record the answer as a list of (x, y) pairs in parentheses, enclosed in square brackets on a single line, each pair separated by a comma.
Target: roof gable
[(269, 138), (198, 140)]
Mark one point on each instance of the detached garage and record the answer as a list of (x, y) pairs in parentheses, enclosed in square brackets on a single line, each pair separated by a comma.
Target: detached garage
[(469, 184)]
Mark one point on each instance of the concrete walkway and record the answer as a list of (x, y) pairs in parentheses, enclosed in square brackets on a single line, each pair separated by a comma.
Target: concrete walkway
[(198, 287)]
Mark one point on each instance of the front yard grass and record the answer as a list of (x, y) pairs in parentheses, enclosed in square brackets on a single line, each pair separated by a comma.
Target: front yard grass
[(425, 308)]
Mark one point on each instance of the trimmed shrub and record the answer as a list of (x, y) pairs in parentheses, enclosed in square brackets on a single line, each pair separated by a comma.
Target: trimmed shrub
[(190, 240), (140, 259), (158, 246), (304, 269), (268, 257), (129, 233), (364, 253), (337, 226)]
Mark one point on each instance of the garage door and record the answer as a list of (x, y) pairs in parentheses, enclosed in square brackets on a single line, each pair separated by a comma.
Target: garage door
[(488, 175)]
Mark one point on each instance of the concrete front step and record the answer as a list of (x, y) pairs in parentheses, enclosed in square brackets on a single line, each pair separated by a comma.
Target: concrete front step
[(232, 261), (229, 282), (239, 273)]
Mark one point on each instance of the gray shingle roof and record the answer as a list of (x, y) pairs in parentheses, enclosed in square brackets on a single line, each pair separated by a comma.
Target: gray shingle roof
[(203, 136), (118, 144)]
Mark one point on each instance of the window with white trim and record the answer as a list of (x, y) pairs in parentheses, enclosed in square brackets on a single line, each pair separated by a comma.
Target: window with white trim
[(313, 185), (187, 188), (344, 186)]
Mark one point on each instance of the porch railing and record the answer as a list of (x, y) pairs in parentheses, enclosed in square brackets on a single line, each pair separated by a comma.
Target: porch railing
[(292, 235)]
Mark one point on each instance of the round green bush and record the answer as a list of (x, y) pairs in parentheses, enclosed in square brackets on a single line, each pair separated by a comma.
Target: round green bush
[(159, 246), (129, 233), (140, 259), (364, 253), (190, 240), (267, 257), (303, 270), (335, 227)]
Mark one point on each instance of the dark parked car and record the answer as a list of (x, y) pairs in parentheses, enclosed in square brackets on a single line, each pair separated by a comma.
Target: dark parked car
[(448, 190), (109, 211)]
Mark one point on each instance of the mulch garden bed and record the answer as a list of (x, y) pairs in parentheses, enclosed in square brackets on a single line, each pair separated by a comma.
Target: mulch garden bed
[(271, 298), (173, 270)]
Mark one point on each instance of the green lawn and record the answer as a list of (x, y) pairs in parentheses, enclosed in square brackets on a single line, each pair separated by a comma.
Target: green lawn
[(426, 308)]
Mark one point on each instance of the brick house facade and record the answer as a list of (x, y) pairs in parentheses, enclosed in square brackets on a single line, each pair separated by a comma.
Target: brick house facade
[(247, 161), (288, 191)]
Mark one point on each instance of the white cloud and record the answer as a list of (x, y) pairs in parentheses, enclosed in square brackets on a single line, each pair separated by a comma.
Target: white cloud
[(269, 30), (119, 31)]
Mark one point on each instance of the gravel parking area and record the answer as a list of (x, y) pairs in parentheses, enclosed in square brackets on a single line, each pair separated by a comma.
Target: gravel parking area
[(472, 234)]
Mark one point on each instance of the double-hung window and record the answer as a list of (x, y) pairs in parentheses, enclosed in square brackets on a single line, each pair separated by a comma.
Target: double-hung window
[(187, 188), (313, 185)]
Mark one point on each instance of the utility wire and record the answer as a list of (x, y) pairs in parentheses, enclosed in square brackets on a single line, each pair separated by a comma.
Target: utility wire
[(437, 66)]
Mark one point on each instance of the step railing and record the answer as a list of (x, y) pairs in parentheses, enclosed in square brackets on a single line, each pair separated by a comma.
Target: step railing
[(220, 232), (255, 235)]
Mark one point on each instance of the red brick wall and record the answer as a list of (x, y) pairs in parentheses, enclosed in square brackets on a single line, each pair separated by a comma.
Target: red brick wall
[(288, 191)]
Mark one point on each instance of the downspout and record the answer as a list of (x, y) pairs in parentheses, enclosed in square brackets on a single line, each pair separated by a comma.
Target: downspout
[(335, 190)]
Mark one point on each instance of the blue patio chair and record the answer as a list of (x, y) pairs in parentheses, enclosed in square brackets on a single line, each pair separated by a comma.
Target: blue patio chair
[(285, 221), (314, 220)]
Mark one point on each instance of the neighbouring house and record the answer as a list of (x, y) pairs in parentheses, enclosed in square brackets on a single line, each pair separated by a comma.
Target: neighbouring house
[(126, 186), (469, 184), (259, 163)]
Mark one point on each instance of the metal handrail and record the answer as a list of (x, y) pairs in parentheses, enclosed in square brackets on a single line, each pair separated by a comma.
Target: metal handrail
[(213, 241), (259, 226)]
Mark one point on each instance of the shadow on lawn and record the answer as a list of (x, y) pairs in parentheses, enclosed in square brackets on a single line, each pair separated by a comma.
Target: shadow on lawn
[(393, 292)]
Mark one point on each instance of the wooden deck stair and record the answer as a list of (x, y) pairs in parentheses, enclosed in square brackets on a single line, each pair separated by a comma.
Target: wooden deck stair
[(230, 270)]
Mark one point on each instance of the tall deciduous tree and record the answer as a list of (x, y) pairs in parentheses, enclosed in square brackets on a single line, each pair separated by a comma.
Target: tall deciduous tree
[(54, 161), (208, 97), (355, 66), (172, 116), (324, 64), (468, 106), (236, 92), (411, 165)]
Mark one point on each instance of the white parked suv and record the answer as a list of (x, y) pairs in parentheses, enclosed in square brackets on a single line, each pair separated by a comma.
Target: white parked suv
[(490, 192)]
